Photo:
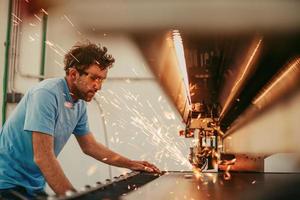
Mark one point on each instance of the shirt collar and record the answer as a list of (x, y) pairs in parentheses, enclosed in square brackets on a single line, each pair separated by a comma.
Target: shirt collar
[(67, 92)]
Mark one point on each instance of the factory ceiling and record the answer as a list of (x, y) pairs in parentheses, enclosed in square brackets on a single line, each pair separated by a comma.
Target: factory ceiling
[(233, 49)]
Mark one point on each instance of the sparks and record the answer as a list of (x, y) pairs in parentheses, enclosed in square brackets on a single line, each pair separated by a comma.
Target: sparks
[(68, 19)]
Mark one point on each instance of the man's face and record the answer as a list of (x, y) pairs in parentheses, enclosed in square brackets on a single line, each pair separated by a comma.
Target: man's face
[(89, 82)]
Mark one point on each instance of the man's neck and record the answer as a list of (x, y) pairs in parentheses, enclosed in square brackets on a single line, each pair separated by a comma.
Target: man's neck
[(71, 89)]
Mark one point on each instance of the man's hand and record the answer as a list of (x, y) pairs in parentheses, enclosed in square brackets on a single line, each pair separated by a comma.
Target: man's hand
[(98, 151), (144, 166)]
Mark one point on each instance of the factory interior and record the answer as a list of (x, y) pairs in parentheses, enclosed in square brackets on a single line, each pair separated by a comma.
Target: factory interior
[(208, 91)]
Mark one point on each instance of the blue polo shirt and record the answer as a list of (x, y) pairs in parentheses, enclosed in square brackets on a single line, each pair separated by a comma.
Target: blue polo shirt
[(47, 108)]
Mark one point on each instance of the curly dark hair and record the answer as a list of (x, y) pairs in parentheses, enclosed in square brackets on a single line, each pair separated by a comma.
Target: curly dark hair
[(81, 56)]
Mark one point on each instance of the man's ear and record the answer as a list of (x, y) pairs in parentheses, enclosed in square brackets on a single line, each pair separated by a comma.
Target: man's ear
[(73, 73)]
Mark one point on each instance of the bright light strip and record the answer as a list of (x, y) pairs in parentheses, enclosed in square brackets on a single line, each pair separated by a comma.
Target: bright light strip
[(288, 70), (177, 40), (247, 66), (232, 93)]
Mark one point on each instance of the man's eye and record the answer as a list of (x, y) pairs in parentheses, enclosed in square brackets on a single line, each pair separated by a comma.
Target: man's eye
[(94, 78)]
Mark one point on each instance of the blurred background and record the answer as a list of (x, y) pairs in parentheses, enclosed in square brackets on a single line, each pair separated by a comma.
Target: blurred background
[(177, 62)]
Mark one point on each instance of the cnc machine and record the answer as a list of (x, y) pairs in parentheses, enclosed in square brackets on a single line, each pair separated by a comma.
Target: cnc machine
[(233, 73)]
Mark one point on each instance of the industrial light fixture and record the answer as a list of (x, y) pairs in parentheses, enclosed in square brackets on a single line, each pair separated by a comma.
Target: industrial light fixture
[(243, 74), (291, 70), (178, 45)]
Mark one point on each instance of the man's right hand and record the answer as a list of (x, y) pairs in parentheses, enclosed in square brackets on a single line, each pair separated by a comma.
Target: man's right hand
[(91, 147), (144, 166)]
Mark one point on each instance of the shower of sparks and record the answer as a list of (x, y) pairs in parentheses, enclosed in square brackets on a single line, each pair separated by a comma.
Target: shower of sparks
[(74, 58), (199, 116), (159, 98), (61, 49), (15, 23), (38, 18), (56, 48), (169, 115), (227, 164), (16, 20), (207, 152), (227, 175), (192, 87), (49, 43), (31, 38), (220, 132), (154, 131), (92, 170), (59, 64), (134, 71), (44, 11), (68, 19)]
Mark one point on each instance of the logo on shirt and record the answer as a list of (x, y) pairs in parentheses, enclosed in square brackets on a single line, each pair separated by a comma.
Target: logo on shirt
[(68, 105)]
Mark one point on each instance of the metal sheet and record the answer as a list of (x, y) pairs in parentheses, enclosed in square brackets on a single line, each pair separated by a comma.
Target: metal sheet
[(179, 185)]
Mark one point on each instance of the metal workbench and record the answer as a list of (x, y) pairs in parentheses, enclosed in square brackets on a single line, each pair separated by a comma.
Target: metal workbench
[(184, 185)]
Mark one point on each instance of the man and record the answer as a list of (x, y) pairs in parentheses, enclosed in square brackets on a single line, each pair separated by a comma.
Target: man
[(43, 121)]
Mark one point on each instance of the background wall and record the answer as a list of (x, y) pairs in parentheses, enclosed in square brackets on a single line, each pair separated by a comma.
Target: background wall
[(274, 131), (131, 114), (3, 22)]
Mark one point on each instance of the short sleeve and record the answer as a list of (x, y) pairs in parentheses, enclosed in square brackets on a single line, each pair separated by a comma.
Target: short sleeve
[(82, 126), (41, 111)]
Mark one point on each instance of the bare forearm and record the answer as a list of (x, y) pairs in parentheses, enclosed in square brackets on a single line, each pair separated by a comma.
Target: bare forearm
[(45, 159), (98, 151), (103, 154), (54, 175)]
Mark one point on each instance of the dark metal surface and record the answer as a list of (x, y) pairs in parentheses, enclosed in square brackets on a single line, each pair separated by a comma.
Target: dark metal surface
[(187, 185), (112, 189), (180, 185), (225, 71)]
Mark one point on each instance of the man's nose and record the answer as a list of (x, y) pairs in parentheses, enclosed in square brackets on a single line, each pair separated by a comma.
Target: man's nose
[(97, 85)]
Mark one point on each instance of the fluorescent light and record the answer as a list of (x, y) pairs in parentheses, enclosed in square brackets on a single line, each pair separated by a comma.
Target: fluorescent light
[(287, 71), (177, 40)]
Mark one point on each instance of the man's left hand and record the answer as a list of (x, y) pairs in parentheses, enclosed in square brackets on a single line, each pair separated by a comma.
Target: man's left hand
[(144, 166)]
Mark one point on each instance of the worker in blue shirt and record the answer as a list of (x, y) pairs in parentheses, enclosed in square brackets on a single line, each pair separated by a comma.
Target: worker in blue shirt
[(45, 118)]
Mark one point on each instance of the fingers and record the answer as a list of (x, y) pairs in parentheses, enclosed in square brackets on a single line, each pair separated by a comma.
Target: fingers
[(146, 166), (148, 169), (151, 166)]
